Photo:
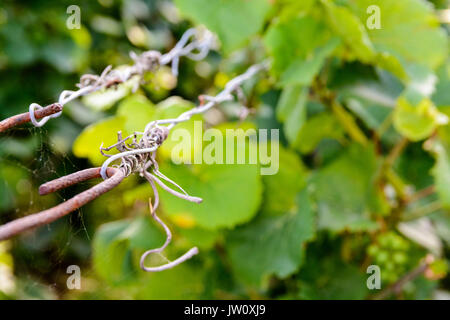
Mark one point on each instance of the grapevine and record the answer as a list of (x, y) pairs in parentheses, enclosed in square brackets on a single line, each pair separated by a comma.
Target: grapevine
[(136, 152), (215, 149)]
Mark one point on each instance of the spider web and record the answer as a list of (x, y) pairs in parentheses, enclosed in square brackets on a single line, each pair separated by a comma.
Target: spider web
[(28, 159)]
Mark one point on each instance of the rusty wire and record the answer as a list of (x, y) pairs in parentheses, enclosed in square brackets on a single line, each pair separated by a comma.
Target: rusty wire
[(137, 152)]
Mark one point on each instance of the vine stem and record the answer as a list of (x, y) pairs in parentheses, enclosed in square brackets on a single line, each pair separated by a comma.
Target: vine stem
[(18, 226), (345, 118), (348, 122), (397, 287), (422, 194), (20, 119), (396, 152), (423, 211)]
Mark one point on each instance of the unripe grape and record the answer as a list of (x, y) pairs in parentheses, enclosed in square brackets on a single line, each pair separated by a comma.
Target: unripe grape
[(382, 256), (399, 258), (373, 250)]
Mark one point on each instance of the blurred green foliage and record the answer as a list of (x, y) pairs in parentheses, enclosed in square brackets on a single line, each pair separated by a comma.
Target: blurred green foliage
[(364, 167)]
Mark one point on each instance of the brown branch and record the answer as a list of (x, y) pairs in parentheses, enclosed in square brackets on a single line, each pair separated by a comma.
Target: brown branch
[(25, 117), (422, 194), (397, 287), (18, 226), (395, 152)]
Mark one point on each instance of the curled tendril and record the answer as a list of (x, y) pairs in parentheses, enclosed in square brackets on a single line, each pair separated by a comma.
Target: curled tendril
[(188, 255)]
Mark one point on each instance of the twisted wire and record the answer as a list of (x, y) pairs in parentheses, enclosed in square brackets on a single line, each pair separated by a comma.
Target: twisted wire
[(148, 61)]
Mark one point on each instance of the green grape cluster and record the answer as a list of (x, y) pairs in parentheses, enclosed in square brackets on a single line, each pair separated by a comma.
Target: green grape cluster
[(390, 253)]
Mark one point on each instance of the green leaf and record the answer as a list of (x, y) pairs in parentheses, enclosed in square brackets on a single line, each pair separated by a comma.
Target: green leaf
[(345, 191), (87, 144), (184, 282), (291, 110), (291, 8), (10, 178), (115, 243), (17, 44), (414, 165), (234, 21), (272, 245), (303, 72), (133, 115), (282, 188), (330, 278), (321, 126), (441, 221), (64, 54), (441, 96), (422, 81), (186, 133), (441, 172), (109, 258), (296, 39), (106, 98), (138, 111), (351, 30), (417, 122), (201, 238), (226, 200), (409, 30), (372, 114)]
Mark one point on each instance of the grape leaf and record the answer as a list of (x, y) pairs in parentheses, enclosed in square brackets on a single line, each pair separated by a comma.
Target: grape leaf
[(184, 282), (318, 127), (87, 144), (10, 194), (291, 110), (303, 71), (441, 97), (281, 189), (227, 201), (409, 30), (106, 98), (138, 111), (114, 246), (350, 29), (345, 192), (188, 132), (201, 238), (272, 245), (234, 21), (441, 172), (133, 115), (327, 277), (290, 42), (416, 122)]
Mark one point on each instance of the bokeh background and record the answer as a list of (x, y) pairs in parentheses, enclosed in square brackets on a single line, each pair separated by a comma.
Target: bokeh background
[(364, 163)]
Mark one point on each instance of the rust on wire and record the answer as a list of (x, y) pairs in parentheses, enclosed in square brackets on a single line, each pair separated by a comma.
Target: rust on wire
[(72, 179), (25, 117), (33, 221)]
